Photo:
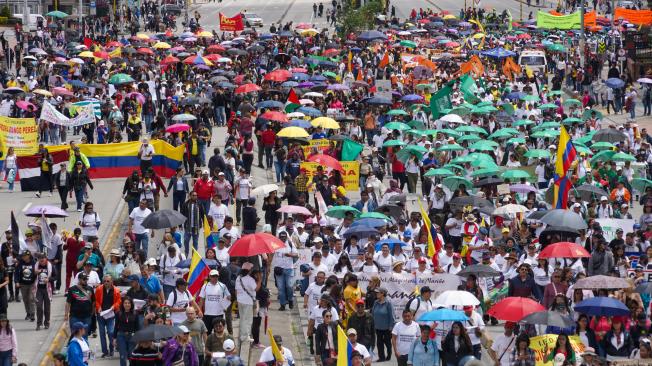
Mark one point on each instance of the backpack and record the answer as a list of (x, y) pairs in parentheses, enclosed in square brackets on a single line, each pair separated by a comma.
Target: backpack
[(409, 304), (175, 297)]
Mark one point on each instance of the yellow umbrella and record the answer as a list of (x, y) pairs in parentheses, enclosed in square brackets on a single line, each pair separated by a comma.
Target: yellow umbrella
[(293, 132), (42, 92), (478, 35), (142, 36), (206, 34), (162, 45), (309, 32), (449, 16), (325, 122), (86, 54)]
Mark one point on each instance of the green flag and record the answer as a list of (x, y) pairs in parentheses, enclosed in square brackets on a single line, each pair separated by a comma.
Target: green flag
[(469, 88), (440, 101), (350, 150)]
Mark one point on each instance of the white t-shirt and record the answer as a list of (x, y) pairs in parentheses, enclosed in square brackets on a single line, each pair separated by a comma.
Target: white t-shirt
[(235, 233), (280, 260), (243, 287), (475, 321), (168, 264), (316, 315), (216, 298), (145, 152), (385, 263), (314, 294), (457, 229), (93, 279), (218, 213), (183, 301), (89, 223), (139, 215), (363, 351), (405, 336), (244, 188), (503, 346), (222, 256), (268, 356)]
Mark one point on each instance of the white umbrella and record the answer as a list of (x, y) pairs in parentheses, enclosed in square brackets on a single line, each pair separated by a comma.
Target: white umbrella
[(264, 189), (452, 118), (510, 209), (295, 115), (184, 117), (644, 81), (306, 102), (457, 298), (314, 95)]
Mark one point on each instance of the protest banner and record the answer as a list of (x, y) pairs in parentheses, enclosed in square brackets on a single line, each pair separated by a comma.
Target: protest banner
[(543, 344), (320, 144), (350, 175), (85, 115), (233, 24), (19, 133), (647, 272), (550, 21), (609, 227), (634, 16)]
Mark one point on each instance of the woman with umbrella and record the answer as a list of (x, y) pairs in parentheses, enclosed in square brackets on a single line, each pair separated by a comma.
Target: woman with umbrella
[(180, 349), (270, 205), (560, 305)]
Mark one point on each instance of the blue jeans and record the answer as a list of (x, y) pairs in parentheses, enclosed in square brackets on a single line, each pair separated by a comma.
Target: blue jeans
[(284, 285), (632, 111), (106, 330), (220, 116), (79, 197), (125, 346), (148, 118), (186, 241), (280, 170), (131, 204), (5, 358), (206, 204), (142, 242), (178, 197)]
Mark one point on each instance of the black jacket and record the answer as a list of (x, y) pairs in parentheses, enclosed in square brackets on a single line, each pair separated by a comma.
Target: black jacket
[(57, 179), (321, 339), (608, 349), (249, 220), (192, 225), (364, 326), (449, 354), (78, 180)]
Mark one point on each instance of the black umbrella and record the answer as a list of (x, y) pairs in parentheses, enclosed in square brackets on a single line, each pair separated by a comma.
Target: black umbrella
[(557, 233), (488, 181), (338, 137), (590, 192), (460, 202), (559, 217), (163, 219), (282, 58), (537, 215), (551, 318), (155, 332), (479, 270), (256, 48), (399, 198), (360, 231), (393, 210), (237, 52), (609, 135)]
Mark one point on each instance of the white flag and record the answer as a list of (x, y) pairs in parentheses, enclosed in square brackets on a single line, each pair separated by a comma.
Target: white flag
[(46, 233)]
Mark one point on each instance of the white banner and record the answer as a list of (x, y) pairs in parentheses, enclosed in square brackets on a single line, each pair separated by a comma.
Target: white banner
[(609, 227), (85, 115)]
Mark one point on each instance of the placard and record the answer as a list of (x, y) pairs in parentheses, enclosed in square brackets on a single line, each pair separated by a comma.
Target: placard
[(350, 175), (19, 133)]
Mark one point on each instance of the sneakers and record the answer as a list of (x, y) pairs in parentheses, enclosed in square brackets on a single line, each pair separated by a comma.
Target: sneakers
[(258, 346), (282, 308), (38, 327), (38, 195), (79, 210), (50, 194)]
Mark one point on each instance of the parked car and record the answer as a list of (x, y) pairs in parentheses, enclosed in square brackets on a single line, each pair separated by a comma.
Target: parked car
[(252, 20)]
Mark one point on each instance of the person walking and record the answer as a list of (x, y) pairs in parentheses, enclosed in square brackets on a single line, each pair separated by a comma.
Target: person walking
[(403, 335), (43, 290), (62, 183), (79, 352), (424, 351), (141, 233), (145, 154), (180, 350), (25, 279), (107, 303), (78, 180), (73, 248), (80, 303), (194, 213), (383, 319), (283, 264), (246, 286), (242, 193), (179, 187), (8, 342), (126, 324), (10, 168), (215, 299), (45, 163)]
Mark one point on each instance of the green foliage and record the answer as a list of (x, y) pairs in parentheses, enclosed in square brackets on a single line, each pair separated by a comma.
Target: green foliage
[(356, 20), (5, 12)]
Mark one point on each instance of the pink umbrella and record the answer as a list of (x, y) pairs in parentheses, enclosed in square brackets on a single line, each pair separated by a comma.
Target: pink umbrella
[(522, 188), (292, 209), (61, 91), (139, 97), (177, 127), (25, 105)]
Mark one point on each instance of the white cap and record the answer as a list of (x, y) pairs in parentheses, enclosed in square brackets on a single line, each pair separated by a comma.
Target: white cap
[(552, 147), (267, 228), (214, 272), (624, 205), (184, 329), (205, 171), (603, 198), (151, 262), (228, 345), (439, 186), (318, 240), (576, 205)]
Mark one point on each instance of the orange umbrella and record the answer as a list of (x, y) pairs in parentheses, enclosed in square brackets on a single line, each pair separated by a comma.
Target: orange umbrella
[(247, 88), (277, 75), (145, 51), (170, 60), (274, 116)]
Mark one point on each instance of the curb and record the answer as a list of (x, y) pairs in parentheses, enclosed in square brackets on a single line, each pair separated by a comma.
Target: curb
[(63, 333)]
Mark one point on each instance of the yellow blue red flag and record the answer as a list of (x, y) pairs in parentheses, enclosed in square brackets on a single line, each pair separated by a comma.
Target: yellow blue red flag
[(566, 155)]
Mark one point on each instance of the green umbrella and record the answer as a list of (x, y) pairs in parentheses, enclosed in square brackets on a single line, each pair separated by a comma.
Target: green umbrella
[(416, 124), (425, 86), (641, 184), (405, 154), (454, 166), (484, 145), (604, 155), (440, 172), (586, 138), (450, 147), (397, 112), (548, 106), (549, 124), (416, 132), (503, 133), (556, 47), (120, 79), (571, 120), (602, 145), (397, 126), (549, 134), (329, 74), (471, 129), (484, 103), (589, 112), (621, 156), (484, 110), (523, 122), (374, 215), (462, 159), (530, 98), (568, 102), (515, 174), (455, 182), (56, 14), (340, 212), (449, 132), (516, 140), (416, 149), (460, 111), (582, 149), (390, 143), (537, 153), (469, 138), (478, 159), (408, 44), (508, 108), (430, 132), (556, 92), (485, 172)]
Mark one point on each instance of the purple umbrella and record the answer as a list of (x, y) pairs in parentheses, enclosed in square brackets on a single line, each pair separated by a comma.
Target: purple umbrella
[(306, 84), (522, 188), (48, 211), (338, 87)]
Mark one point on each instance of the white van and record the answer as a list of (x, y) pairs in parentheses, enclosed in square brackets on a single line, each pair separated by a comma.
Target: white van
[(33, 20), (534, 59)]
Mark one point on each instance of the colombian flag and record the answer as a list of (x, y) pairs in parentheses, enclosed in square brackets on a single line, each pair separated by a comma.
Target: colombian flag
[(344, 348), (434, 245), (198, 273), (210, 240), (566, 155)]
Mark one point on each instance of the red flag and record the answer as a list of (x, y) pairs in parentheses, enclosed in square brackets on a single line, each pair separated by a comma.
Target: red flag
[(233, 24), (385, 61), (360, 73), (88, 42)]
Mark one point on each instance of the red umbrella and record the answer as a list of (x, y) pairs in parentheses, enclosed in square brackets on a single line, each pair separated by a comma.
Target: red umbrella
[(216, 48), (213, 57), (298, 69), (274, 116), (113, 44), (331, 52), (170, 60), (327, 160), (564, 249), (177, 127), (254, 244), (247, 88), (61, 91), (101, 54), (145, 51), (514, 308), (277, 76)]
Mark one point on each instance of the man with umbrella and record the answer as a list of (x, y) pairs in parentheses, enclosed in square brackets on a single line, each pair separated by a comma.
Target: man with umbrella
[(523, 285)]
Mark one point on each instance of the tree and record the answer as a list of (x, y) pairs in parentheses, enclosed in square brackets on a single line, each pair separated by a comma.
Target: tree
[(353, 20)]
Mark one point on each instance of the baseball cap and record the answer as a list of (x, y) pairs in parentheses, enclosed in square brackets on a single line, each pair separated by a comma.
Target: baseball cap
[(425, 289), (456, 256), (467, 307), (577, 205), (484, 231), (184, 329), (205, 171), (214, 272), (151, 262), (88, 246), (228, 345), (351, 331), (505, 230), (359, 302), (603, 198)]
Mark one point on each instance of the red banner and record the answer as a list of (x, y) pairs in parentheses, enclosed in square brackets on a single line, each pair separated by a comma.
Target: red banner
[(634, 16), (233, 24)]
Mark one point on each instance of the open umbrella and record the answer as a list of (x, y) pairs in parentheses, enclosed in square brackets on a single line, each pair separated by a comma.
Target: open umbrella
[(641, 184), (177, 127), (559, 217), (341, 211), (602, 306), (360, 231), (550, 318), (369, 222), (292, 209), (156, 332), (459, 203), (264, 190), (326, 160), (163, 219), (590, 192), (395, 211), (479, 270), (456, 298), (514, 308), (564, 249), (614, 83), (47, 210), (510, 209), (454, 182), (601, 282), (440, 315), (609, 135), (255, 244)]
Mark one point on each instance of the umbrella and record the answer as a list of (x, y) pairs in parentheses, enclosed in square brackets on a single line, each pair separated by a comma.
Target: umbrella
[(369, 222), (614, 83), (443, 315), (601, 282), (163, 219), (485, 172), (479, 270), (641, 184), (373, 215), (184, 117), (589, 192), (155, 332), (602, 306), (456, 298), (360, 231), (391, 242), (522, 188), (452, 118), (255, 244), (292, 209), (393, 210), (454, 182), (644, 81), (371, 35), (550, 318), (293, 132), (47, 210), (120, 79), (487, 182), (510, 209), (644, 288), (515, 174), (458, 203), (390, 143), (325, 122), (514, 308), (265, 189), (537, 153), (440, 172), (274, 116), (326, 160), (564, 249), (57, 14), (609, 135), (177, 127), (341, 211), (247, 88), (559, 217)]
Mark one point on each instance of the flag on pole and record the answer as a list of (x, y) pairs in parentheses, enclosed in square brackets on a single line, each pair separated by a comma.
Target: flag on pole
[(566, 155), (208, 235), (344, 348), (17, 239), (46, 233), (198, 273), (292, 102), (440, 101), (384, 61), (433, 244), (276, 351)]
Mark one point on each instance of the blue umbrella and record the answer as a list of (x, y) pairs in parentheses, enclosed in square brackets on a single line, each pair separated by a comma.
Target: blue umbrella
[(515, 95), (269, 104), (371, 35), (289, 84), (299, 76), (378, 101), (411, 98), (267, 36), (443, 315), (392, 242), (602, 306), (211, 263), (299, 123), (498, 52), (77, 83), (309, 111), (360, 232), (369, 222), (326, 63), (614, 83), (318, 78)]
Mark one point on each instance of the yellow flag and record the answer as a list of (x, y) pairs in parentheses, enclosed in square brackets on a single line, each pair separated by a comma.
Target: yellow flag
[(207, 229), (116, 53), (431, 241), (278, 356)]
